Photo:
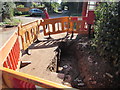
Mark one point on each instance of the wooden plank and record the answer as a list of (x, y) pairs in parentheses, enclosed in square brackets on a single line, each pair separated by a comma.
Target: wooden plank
[(31, 79)]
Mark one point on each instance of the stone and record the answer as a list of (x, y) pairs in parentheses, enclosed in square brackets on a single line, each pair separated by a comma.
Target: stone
[(60, 68), (93, 82), (79, 80), (90, 79), (89, 59), (68, 78), (109, 75), (61, 76), (96, 63), (76, 79), (65, 66), (96, 73), (81, 84), (117, 73), (103, 75)]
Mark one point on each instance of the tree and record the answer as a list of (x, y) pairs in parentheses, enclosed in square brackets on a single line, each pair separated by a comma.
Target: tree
[(7, 10), (55, 5), (1, 11), (74, 7)]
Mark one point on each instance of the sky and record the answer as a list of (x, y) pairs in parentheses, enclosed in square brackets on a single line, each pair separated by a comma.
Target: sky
[(59, 1)]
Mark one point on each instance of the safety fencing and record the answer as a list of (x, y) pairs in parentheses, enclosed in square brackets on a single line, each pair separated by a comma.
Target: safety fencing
[(55, 25), (28, 33), (10, 52), (10, 64), (65, 24), (23, 80), (78, 25), (10, 58)]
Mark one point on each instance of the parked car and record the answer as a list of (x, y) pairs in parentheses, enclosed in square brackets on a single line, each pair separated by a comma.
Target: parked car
[(35, 11)]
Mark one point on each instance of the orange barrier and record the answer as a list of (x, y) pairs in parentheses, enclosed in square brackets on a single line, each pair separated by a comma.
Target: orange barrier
[(55, 25), (65, 24), (10, 54), (78, 25), (31, 80), (28, 33)]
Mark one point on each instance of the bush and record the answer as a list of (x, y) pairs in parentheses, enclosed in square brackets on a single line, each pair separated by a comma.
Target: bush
[(16, 12), (7, 10), (11, 22), (20, 6), (107, 31)]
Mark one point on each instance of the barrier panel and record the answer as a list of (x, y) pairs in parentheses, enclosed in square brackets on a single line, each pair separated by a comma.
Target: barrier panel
[(78, 25), (65, 24), (28, 33), (30, 80), (10, 58), (55, 25), (10, 53)]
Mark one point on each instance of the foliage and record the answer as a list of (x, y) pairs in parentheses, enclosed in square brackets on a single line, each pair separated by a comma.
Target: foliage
[(34, 4), (17, 12), (10, 22), (7, 10), (74, 7), (20, 6), (107, 31), (55, 6)]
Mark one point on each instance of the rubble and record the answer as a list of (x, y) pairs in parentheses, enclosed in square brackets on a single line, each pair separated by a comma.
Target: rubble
[(109, 75)]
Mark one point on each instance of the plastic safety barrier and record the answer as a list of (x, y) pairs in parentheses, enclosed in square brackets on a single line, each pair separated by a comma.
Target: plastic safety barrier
[(29, 33), (78, 25), (28, 80), (10, 58), (65, 24), (55, 25)]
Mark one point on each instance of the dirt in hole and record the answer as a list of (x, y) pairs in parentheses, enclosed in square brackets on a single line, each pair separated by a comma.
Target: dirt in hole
[(81, 67)]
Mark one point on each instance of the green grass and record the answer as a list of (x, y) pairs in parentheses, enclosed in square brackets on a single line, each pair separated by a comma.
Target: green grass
[(11, 22)]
